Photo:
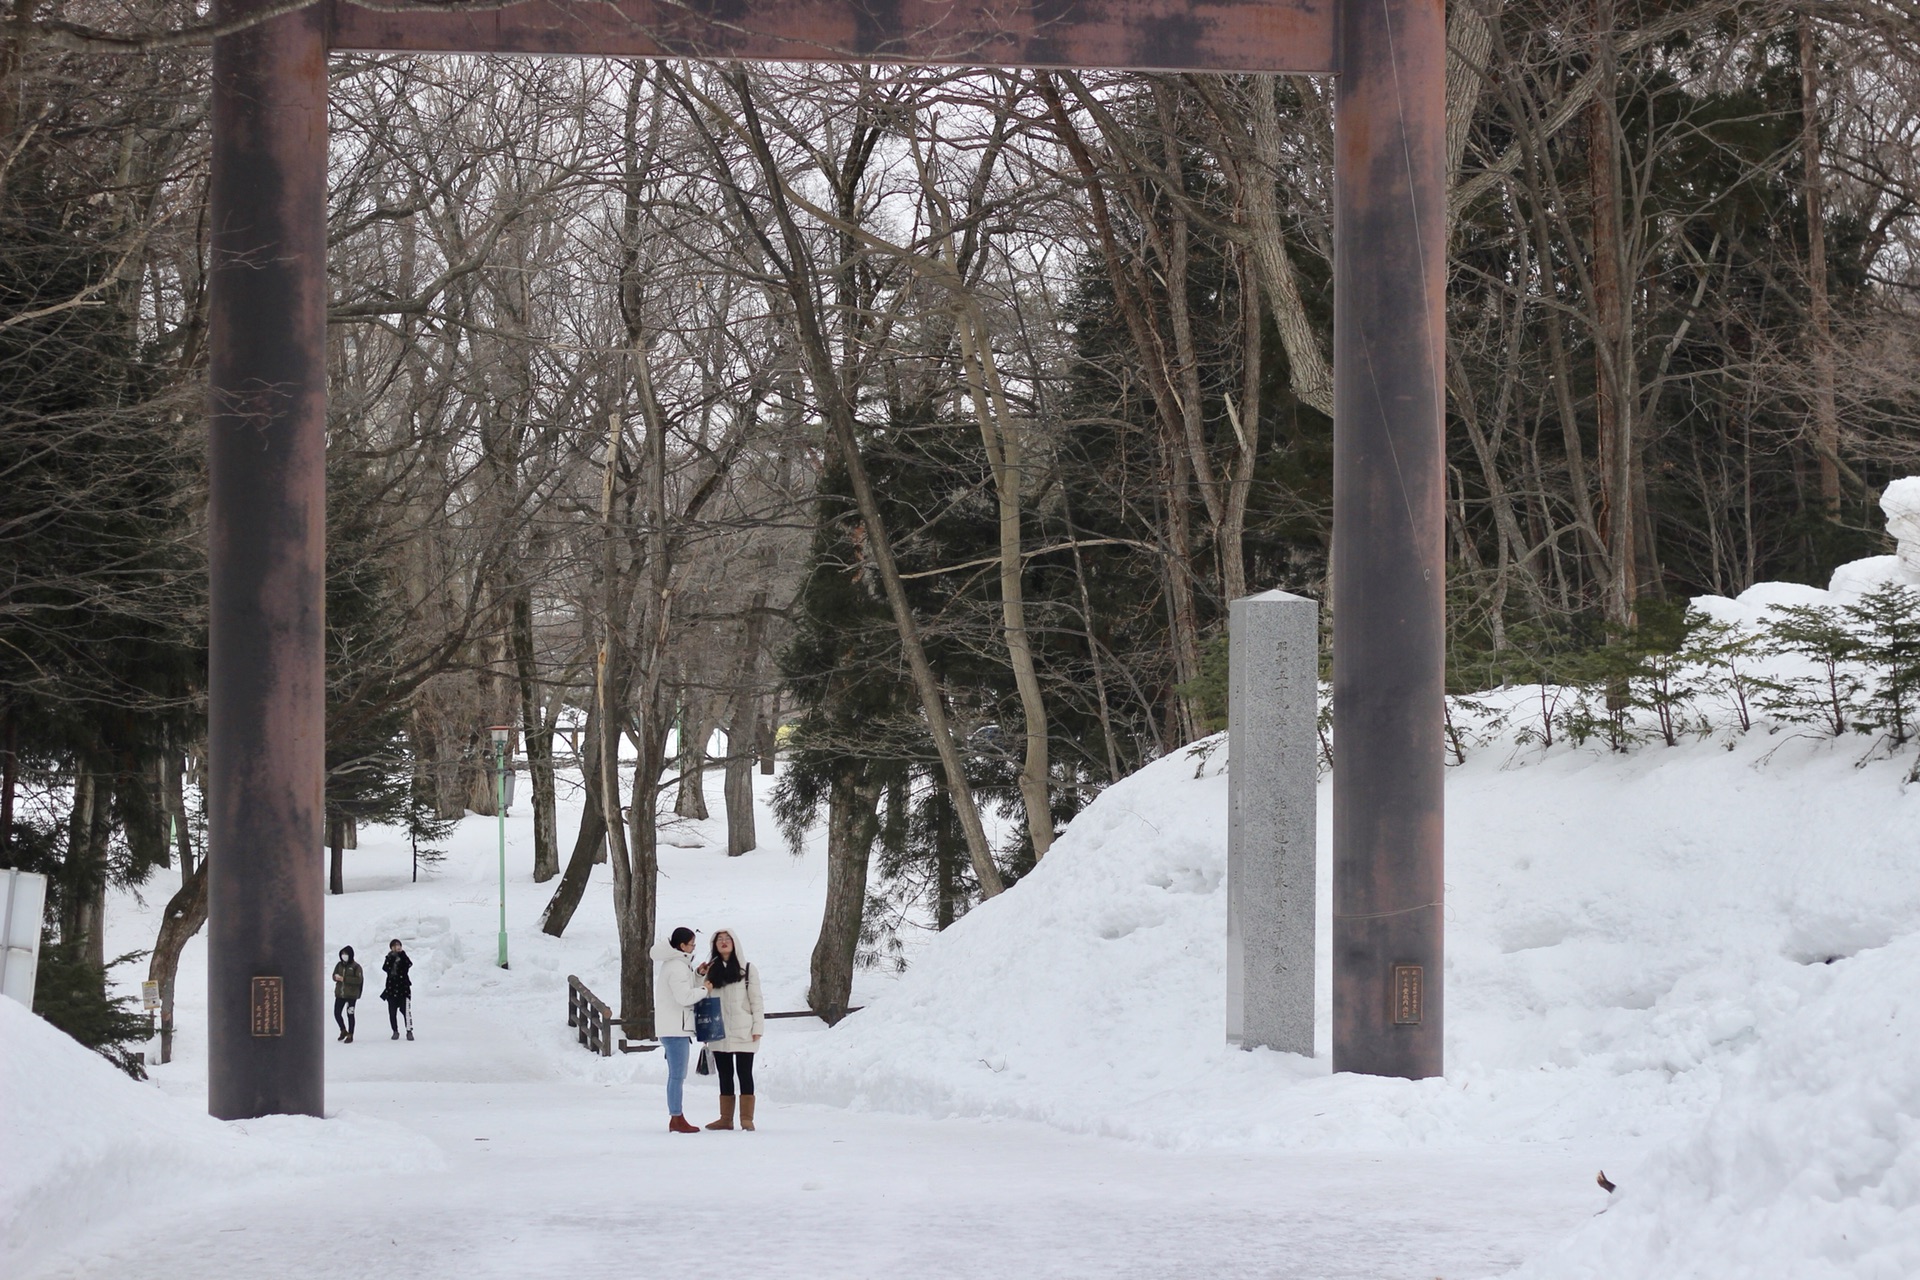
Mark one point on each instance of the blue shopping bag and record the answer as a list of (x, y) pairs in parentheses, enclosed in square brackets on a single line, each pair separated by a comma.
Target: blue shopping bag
[(707, 1024)]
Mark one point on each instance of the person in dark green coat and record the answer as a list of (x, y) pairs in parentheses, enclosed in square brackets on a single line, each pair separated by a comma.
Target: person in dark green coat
[(348, 979)]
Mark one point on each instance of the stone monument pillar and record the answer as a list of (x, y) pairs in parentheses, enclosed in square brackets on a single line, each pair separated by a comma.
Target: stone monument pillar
[(1273, 682)]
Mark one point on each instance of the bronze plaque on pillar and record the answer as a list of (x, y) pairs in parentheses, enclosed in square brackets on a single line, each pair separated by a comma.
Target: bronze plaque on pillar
[(269, 1007), (1409, 982)]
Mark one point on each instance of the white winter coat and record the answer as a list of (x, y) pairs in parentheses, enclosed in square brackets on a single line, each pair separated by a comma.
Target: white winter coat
[(676, 989), (743, 1012)]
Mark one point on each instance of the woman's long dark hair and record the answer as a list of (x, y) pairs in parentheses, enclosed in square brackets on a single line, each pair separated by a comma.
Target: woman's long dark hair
[(724, 971)]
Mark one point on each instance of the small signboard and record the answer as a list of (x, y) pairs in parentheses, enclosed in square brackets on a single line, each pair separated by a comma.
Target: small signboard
[(269, 1007), (1409, 994), (150, 995)]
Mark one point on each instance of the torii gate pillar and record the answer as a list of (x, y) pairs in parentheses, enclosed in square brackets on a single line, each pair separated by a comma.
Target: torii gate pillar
[(1389, 554), (267, 465), (266, 754)]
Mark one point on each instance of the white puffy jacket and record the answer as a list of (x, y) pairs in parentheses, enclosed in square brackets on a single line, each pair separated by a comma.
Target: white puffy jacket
[(676, 989), (743, 1012)]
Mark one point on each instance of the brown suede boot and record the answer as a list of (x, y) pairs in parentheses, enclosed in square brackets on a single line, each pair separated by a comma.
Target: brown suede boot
[(746, 1111), (679, 1125), (726, 1113)]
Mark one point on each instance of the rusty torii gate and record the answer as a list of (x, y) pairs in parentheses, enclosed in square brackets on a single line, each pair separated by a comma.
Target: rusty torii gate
[(268, 199)]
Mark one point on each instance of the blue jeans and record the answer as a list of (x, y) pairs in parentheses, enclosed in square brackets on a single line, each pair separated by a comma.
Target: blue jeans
[(678, 1050)]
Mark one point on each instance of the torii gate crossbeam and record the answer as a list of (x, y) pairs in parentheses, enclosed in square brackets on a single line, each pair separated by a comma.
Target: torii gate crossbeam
[(267, 451)]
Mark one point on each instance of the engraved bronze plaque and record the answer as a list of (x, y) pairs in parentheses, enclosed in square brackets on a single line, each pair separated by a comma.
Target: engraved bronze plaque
[(1409, 994), (269, 1007)]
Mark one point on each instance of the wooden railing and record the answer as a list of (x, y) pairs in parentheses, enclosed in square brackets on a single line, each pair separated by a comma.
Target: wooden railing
[(591, 1018), (593, 1021)]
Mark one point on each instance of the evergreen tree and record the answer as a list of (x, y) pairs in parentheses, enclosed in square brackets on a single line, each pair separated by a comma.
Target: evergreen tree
[(1888, 626), (101, 648), (371, 772), (1827, 695)]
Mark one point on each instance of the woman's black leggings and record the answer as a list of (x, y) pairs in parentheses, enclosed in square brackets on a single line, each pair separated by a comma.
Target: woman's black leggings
[(344, 1023), (728, 1064), (395, 1008)]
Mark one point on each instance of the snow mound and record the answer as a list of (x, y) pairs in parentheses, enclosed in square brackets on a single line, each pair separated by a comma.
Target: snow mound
[(82, 1144), (1809, 1166), (1622, 930), (1101, 972), (1858, 577), (1104, 964)]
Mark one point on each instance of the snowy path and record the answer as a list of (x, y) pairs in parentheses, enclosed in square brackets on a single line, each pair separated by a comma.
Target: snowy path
[(578, 1179), (554, 1162)]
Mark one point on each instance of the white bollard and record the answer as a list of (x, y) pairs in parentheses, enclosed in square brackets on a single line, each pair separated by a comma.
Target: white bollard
[(22, 900), (1272, 687)]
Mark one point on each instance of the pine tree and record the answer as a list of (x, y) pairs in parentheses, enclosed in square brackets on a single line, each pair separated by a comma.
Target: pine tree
[(371, 775), (101, 648), (1829, 694), (1887, 620)]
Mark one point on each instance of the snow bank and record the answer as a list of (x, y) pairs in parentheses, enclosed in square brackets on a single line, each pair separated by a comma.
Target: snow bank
[(1622, 929), (1808, 1167), (1077, 997), (82, 1144)]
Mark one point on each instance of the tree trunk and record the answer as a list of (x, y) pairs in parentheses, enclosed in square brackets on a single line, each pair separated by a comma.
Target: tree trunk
[(1309, 371), (1183, 609), (336, 863), (84, 902), (738, 787), (642, 656), (186, 911), (537, 732), (9, 779), (1245, 420), (173, 801), (1613, 403), (1093, 643), (1826, 417), (850, 805), (93, 923), (74, 872), (696, 730), (1002, 446), (767, 729), (1469, 48), (1189, 400), (741, 723), (482, 785), (589, 844), (637, 900), (949, 897)]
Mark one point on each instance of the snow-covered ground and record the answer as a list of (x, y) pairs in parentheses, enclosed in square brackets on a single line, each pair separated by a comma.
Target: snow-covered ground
[(1690, 966)]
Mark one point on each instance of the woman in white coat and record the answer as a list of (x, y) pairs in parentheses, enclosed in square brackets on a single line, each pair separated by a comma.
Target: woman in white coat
[(676, 989), (743, 1016)]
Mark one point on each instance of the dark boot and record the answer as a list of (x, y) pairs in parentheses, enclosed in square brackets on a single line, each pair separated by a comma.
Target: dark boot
[(746, 1111), (679, 1125), (726, 1113)]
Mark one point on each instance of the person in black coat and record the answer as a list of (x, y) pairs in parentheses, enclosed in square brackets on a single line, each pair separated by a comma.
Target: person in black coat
[(398, 993)]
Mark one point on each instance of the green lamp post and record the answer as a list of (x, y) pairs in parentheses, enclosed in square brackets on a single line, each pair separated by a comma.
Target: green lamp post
[(500, 734)]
